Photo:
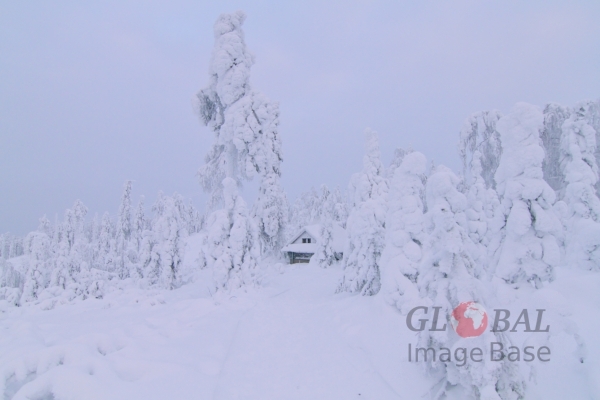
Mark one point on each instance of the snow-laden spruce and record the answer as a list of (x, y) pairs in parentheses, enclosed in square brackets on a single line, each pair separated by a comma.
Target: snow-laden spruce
[(484, 217), (529, 250), (554, 117), (590, 110), (162, 248), (366, 224), (231, 243), (325, 253), (448, 277), (479, 135), (582, 217), (245, 124), (404, 233)]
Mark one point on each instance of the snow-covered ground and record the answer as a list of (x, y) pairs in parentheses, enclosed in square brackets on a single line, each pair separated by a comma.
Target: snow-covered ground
[(292, 339)]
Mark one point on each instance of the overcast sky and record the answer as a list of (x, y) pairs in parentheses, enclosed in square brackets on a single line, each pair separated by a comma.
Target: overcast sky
[(96, 93)]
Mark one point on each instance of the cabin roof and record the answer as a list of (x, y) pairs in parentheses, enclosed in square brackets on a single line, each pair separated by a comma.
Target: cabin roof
[(339, 239)]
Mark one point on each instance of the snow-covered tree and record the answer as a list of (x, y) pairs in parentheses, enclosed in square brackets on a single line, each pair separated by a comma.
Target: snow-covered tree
[(590, 110), (304, 211), (325, 253), (404, 232), (163, 254), (123, 233), (528, 247), (271, 213), (124, 221), (479, 134), (37, 246), (245, 124), (195, 220), (139, 223), (340, 208), (554, 117), (231, 243), (578, 147), (399, 154), (447, 278), (105, 247), (366, 224), (484, 216)]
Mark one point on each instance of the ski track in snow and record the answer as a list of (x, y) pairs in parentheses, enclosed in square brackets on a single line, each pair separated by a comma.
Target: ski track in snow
[(292, 339)]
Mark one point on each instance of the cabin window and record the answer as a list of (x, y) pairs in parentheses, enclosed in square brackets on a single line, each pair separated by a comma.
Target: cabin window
[(305, 240)]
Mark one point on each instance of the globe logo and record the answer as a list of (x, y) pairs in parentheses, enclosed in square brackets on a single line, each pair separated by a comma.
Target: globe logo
[(469, 319)]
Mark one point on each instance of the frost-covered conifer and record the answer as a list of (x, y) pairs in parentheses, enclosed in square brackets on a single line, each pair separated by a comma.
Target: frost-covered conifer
[(366, 224), (554, 117), (45, 226), (447, 278), (399, 155), (484, 216), (340, 208), (124, 220), (479, 133), (231, 243), (528, 245), (105, 247), (271, 208), (195, 220), (304, 211), (123, 233), (404, 232), (325, 253), (590, 110), (245, 124), (578, 147), (270, 211), (139, 223), (37, 246), (164, 256)]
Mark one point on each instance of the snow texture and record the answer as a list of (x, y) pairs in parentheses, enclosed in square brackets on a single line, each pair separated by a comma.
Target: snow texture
[(366, 224)]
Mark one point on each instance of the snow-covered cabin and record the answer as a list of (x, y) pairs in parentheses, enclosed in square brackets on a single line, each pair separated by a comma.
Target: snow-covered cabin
[(304, 244)]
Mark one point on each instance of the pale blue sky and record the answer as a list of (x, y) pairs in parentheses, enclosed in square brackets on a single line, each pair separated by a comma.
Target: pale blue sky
[(95, 93)]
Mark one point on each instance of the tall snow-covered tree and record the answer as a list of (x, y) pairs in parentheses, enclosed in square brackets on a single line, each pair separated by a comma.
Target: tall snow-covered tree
[(578, 147), (123, 233), (529, 249), (139, 223), (105, 247), (484, 216), (124, 222), (245, 124), (590, 110), (366, 224), (404, 232), (447, 278), (72, 249)]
